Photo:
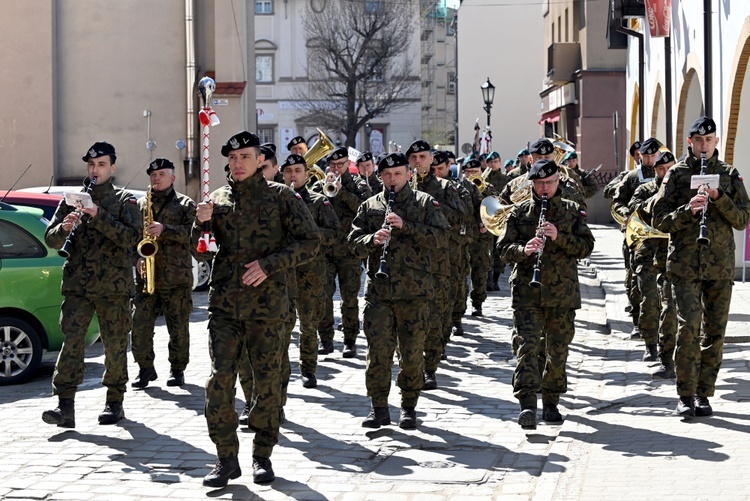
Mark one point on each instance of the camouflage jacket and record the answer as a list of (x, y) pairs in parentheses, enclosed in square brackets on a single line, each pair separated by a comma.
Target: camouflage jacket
[(586, 181), (647, 251), (411, 249), (172, 262), (521, 170), (559, 272), (353, 192), (473, 198), (322, 212), (257, 220), (498, 179), (611, 188), (101, 251), (624, 191), (687, 258), (374, 182)]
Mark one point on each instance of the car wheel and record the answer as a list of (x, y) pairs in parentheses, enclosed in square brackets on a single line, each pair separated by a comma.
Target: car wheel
[(20, 351), (204, 276)]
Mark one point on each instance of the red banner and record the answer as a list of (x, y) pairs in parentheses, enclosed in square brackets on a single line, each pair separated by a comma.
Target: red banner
[(659, 14)]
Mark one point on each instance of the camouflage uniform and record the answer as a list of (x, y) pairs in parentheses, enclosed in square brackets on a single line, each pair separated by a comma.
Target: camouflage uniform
[(397, 307), (341, 262), (97, 278), (550, 309), (701, 275), (172, 283), (374, 182), (252, 220), (471, 197), (479, 248), (498, 180), (585, 181)]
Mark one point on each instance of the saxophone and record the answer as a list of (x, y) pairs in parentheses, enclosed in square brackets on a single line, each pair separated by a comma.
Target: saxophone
[(148, 247)]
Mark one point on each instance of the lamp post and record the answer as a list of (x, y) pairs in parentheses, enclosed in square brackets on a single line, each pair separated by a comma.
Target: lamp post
[(488, 95)]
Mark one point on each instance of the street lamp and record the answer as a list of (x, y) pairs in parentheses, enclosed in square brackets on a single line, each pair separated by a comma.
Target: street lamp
[(488, 95)]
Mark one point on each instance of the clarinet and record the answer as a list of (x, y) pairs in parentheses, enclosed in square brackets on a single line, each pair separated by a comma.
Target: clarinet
[(703, 232), (65, 249), (536, 276), (383, 268)]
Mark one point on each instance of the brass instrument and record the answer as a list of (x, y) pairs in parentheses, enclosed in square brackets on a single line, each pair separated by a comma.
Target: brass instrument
[(481, 180), (562, 149), (494, 214), (314, 174), (322, 147), (148, 247), (637, 231), (536, 281), (65, 249), (330, 187), (416, 178), (619, 219)]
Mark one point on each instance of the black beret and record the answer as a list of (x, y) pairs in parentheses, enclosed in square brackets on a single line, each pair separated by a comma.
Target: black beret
[(439, 158), (450, 154), (159, 164), (635, 146), (243, 139), (542, 146), (493, 155), (268, 150), (482, 156), (338, 154), (702, 126), (542, 168), (418, 146), (99, 149), (471, 163), (293, 159), (650, 146), (364, 157), (392, 160), (523, 153), (664, 157), (295, 141)]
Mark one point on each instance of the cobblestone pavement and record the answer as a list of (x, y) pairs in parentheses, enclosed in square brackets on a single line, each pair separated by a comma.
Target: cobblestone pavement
[(619, 438)]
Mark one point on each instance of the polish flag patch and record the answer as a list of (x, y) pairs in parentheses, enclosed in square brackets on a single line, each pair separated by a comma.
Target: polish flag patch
[(435, 203)]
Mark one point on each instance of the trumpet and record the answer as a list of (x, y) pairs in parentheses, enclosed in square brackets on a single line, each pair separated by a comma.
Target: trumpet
[(540, 233), (148, 247), (330, 187), (703, 231), (481, 180), (65, 249)]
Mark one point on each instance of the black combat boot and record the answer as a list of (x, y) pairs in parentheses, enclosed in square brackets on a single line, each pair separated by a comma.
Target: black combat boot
[(378, 416), (225, 469), (430, 380), (145, 375), (457, 329), (476, 309), (408, 418), (635, 333), (112, 413), (491, 285), (495, 281), (686, 407), (702, 407), (550, 414), (650, 354), (527, 418), (244, 416), (350, 350), (176, 378), (309, 380), (262, 470), (664, 371), (325, 348), (63, 416)]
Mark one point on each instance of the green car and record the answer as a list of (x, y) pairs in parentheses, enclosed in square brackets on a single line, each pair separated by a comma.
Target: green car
[(30, 298)]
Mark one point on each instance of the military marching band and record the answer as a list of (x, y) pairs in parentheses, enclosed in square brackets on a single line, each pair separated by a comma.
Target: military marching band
[(430, 232)]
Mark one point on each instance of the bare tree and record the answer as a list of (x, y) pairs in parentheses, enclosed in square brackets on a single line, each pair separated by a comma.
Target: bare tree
[(358, 62)]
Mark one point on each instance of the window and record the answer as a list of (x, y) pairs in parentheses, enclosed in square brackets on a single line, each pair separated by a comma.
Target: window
[(15, 242), (264, 6), (451, 83), (265, 133), (373, 6), (263, 69)]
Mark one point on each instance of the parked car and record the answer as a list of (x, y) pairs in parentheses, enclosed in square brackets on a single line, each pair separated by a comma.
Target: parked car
[(40, 198), (30, 298)]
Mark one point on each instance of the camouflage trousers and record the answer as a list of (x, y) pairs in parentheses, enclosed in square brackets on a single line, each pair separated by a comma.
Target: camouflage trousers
[(702, 312), (440, 321), (310, 307), (479, 259), (176, 304), (498, 266), (387, 325), (631, 284), (648, 312), (557, 326), (349, 271), (264, 344), (115, 320), (667, 318), (459, 286)]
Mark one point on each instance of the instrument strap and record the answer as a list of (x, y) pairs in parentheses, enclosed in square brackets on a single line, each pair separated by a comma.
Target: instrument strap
[(166, 202)]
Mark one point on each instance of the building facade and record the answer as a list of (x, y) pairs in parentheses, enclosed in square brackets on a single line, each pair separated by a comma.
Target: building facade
[(125, 72)]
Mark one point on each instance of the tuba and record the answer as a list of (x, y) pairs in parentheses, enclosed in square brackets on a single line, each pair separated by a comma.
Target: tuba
[(148, 247), (494, 214), (322, 147), (637, 231), (314, 174)]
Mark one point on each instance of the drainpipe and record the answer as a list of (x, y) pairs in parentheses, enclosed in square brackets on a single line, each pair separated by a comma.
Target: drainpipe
[(708, 56), (641, 79), (668, 89), (190, 75)]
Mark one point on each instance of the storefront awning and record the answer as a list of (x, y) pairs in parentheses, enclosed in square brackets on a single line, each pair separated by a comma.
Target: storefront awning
[(550, 117)]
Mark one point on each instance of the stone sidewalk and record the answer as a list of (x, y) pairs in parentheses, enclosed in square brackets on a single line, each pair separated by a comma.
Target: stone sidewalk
[(619, 438)]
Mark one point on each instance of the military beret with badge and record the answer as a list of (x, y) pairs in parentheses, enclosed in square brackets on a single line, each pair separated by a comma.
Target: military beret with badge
[(242, 139), (439, 157), (293, 159), (493, 155), (650, 146), (471, 163), (159, 164), (365, 156), (664, 158), (636, 146), (338, 154), (418, 146), (295, 141), (542, 146), (99, 149), (523, 153), (268, 150), (542, 169), (702, 126), (392, 160), (570, 156), (508, 162)]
